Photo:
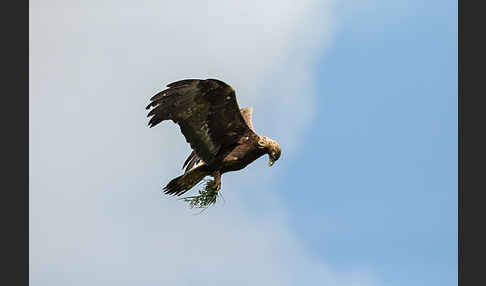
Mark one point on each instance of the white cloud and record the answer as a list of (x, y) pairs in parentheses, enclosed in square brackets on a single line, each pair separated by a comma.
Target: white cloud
[(96, 170)]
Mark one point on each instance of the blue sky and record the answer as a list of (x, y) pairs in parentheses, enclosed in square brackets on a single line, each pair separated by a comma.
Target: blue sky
[(365, 192), (378, 181)]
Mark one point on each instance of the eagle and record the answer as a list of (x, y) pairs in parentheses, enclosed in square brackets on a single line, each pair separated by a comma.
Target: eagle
[(220, 134)]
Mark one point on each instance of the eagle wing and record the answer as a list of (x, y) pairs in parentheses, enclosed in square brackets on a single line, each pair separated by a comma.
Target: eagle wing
[(205, 110), (193, 159)]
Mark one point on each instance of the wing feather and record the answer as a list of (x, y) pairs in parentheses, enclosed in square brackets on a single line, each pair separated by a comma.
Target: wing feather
[(193, 159), (207, 113)]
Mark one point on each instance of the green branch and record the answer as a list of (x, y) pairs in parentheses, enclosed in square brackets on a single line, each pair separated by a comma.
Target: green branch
[(207, 196)]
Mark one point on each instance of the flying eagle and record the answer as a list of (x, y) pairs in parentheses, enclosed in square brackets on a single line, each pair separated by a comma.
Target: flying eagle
[(220, 134)]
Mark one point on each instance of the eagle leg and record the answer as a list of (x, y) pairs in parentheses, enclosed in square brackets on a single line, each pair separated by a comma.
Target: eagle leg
[(217, 180)]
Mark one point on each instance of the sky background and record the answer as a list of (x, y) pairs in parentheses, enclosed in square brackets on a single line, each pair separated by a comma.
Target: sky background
[(361, 96)]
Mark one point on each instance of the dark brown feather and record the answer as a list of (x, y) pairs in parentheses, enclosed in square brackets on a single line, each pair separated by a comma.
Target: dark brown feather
[(207, 113), (181, 82), (183, 183), (193, 159)]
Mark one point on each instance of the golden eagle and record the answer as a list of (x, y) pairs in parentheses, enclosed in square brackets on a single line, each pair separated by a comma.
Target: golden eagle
[(220, 134)]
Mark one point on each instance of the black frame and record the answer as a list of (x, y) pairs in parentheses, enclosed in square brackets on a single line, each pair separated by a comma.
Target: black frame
[(16, 117)]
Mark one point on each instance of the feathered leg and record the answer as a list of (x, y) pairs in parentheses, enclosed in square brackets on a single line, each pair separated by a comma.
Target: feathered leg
[(217, 180)]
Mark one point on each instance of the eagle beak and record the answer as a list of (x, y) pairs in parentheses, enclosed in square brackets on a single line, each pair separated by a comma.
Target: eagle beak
[(270, 162)]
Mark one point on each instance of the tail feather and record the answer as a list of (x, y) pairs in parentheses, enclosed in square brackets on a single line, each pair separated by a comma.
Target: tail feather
[(183, 183)]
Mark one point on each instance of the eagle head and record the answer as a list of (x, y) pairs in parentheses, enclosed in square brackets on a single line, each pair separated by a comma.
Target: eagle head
[(272, 149)]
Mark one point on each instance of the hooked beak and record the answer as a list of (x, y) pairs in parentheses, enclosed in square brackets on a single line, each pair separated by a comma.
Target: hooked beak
[(270, 162)]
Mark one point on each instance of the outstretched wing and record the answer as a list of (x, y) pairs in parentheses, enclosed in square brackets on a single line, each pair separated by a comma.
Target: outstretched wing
[(206, 111), (193, 159)]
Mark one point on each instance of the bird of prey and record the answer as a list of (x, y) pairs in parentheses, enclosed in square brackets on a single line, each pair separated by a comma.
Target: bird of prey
[(220, 134)]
